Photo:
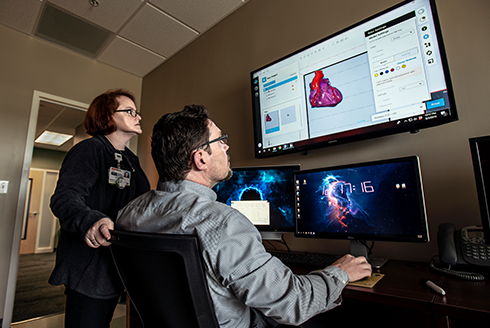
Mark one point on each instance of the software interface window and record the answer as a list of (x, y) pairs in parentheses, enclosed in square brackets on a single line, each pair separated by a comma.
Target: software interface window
[(383, 70)]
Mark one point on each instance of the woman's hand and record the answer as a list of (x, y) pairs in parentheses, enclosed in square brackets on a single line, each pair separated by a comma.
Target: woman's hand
[(98, 234)]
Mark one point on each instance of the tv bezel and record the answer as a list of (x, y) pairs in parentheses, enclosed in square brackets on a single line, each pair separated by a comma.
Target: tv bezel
[(294, 167), (483, 197), (375, 237), (365, 133)]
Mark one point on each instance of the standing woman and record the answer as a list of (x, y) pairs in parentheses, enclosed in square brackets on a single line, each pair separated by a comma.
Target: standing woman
[(98, 177)]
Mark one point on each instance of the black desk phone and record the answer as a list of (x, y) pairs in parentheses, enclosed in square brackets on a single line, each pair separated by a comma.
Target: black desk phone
[(465, 248)]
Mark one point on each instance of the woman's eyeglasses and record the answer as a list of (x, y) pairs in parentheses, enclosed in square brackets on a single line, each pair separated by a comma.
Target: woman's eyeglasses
[(132, 112)]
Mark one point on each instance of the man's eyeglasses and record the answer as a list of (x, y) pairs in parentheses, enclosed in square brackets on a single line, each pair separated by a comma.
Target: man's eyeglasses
[(132, 112), (223, 139)]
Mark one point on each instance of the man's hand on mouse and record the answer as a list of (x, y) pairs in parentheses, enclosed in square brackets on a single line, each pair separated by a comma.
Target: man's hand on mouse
[(356, 267)]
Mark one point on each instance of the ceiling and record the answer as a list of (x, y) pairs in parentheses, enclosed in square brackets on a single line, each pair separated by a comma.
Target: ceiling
[(135, 36), (132, 35), (59, 118)]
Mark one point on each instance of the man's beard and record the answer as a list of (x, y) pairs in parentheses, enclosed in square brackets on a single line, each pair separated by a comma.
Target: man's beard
[(229, 174)]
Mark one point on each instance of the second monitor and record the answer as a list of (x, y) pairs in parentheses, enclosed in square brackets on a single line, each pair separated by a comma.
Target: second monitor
[(380, 200), (264, 194)]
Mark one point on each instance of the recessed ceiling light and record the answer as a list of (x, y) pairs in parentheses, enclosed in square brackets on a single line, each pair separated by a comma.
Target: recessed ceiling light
[(53, 138)]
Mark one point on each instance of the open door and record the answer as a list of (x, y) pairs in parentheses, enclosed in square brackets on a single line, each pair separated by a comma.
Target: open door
[(41, 225)]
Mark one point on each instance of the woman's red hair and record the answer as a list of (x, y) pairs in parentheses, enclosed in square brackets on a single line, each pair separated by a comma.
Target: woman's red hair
[(98, 119)]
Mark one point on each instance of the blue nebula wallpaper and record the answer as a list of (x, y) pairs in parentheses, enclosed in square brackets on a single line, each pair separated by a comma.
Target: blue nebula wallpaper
[(272, 184), (375, 200)]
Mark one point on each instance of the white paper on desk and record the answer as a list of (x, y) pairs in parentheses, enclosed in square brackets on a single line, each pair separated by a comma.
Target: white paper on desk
[(257, 211)]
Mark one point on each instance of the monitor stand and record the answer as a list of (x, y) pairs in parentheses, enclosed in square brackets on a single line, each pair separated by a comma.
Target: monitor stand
[(271, 235), (359, 249)]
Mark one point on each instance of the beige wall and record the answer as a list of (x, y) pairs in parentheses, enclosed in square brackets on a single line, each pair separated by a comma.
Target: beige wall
[(47, 159), (26, 65), (214, 71)]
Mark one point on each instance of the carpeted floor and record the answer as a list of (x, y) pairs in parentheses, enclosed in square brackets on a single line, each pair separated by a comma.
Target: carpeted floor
[(34, 297)]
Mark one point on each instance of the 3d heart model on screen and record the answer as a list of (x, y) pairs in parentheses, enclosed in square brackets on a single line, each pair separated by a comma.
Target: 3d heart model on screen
[(322, 93)]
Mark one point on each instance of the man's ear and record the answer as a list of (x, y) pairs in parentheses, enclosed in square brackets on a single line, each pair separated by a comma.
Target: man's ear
[(199, 159)]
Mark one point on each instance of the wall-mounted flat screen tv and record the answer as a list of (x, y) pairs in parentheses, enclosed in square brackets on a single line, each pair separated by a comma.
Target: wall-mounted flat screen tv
[(384, 75)]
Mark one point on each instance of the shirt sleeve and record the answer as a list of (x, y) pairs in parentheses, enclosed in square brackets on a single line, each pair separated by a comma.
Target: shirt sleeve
[(263, 282), (78, 175)]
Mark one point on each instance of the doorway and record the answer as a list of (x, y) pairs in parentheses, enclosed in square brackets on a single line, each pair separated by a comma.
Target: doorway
[(39, 226)]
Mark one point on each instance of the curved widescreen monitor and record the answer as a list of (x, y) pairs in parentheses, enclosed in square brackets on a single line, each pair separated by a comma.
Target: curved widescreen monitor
[(381, 200), (387, 74), (264, 194)]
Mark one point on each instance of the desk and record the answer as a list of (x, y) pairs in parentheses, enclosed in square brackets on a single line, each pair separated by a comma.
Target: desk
[(464, 302), (399, 300)]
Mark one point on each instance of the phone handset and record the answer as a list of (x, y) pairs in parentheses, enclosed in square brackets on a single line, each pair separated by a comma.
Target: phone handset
[(447, 244), (450, 245)]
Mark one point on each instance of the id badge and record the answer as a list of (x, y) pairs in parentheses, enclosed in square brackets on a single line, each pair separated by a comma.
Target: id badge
[(121, 178)]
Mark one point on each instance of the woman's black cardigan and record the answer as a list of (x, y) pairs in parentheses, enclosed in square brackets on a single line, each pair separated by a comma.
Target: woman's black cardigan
[(82, 197)]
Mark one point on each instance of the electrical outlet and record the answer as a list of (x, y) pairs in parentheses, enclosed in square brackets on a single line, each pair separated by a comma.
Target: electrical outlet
[(4, 186)]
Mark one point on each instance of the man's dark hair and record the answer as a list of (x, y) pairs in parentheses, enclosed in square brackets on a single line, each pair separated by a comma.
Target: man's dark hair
[(175, 137)]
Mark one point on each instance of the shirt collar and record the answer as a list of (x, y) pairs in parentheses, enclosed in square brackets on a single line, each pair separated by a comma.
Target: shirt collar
[(176, 186)]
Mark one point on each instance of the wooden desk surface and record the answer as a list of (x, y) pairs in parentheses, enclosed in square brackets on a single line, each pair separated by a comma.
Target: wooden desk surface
[(464, 299), (400, 287)]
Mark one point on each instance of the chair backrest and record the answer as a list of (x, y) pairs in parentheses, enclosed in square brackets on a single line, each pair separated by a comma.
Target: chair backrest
[(164, 278)]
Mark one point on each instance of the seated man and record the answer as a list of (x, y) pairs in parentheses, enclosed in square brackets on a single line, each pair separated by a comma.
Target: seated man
[(248, 286)]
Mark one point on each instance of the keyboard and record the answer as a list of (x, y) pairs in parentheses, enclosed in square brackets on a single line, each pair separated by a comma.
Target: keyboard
[(316, 261)]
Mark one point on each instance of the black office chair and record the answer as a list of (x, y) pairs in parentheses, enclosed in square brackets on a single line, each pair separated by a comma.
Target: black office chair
[(164, 279)]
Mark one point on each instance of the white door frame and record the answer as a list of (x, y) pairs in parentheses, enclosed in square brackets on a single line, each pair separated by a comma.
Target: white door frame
[(42, 220), (37, 97)]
